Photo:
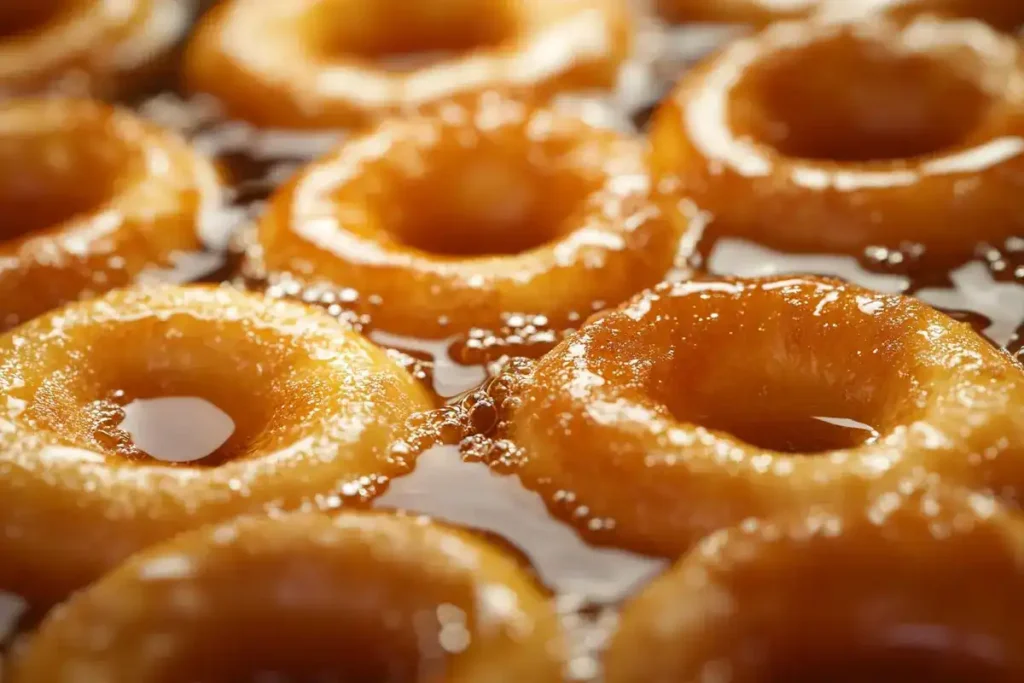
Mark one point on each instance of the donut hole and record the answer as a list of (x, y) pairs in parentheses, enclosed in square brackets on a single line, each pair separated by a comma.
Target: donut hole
[(789, 387), (49, 180), (483, 202), (260, 387), (772, 418), (400, 35), (849, 100)]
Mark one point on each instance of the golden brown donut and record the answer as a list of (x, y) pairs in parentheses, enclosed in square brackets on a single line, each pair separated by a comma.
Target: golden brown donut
[(91, 198), (357, 597), (700, 404), (823, 137), (85, 47), (913, 585), (315, 408), (452, 219), (342, 63)]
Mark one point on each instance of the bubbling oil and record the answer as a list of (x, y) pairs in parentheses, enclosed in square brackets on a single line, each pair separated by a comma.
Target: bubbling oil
[(465, 469)]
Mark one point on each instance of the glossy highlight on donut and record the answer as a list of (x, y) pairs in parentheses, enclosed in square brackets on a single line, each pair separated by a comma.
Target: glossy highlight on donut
[(345, 63), (92, 198), (451, 220), (86, 47), (911, 584), (356, 597), (315, 408), (920, 141), (701, 404)]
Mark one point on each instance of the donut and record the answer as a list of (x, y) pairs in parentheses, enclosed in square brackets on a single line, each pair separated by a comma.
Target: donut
[(359, 596), (345, 63), (453, 218), (92, 197), (914, 585), (921, 136), (700, 404), (315, 408), (86, 47)]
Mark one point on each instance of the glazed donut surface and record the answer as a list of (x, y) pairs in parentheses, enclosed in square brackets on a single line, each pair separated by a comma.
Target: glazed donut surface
[(342, 63), (315, 408), (701, 404), (86, 47), (92, 197), (907, 585), (453, 219), (356, 597), (921, 137)]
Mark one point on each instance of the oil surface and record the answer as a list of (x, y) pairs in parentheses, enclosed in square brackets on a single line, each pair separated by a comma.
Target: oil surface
[(451, 480)]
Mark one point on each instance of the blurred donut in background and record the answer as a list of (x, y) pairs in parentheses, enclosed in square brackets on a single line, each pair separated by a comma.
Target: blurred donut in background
[(906, 584), (453, 219), (345, 63), (832, 138), (87, 47), (360, 597), (92, 197)]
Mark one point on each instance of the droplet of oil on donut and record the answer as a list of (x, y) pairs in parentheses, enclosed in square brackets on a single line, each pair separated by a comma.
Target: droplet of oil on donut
[(177, 429)]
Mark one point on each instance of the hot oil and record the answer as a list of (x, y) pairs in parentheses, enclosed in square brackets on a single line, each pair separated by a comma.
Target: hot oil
[(465, 471)]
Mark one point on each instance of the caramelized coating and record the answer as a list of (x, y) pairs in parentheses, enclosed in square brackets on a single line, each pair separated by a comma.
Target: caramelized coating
[(91, 198), (87, 47), (315, 408), (452, 219), (358, 597), (700, 404), (344, 63), (908, 585), (920, 139)]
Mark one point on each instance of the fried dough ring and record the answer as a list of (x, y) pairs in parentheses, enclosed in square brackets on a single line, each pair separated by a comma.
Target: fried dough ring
[(358, 597), (315, 408), (919, 141), (324, 63), (453, 219), (907, 585), (92, 197), (701, 404), (86, 47)]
